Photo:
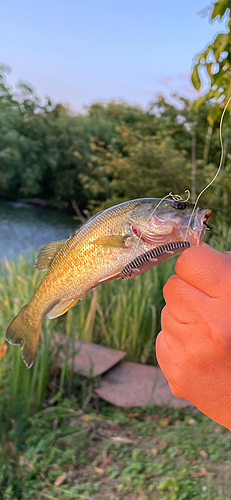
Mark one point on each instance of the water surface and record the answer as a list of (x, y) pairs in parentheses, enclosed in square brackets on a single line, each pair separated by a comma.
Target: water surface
[(23, 227)]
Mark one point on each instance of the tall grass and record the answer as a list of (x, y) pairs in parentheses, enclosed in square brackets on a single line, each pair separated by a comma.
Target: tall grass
[(21, 389), (121, 314)]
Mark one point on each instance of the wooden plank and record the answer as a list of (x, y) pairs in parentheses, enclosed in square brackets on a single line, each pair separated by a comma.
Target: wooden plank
[(130, 384), (89, 360)]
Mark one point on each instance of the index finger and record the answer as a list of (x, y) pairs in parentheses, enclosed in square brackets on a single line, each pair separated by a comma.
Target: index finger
[(205, 268)]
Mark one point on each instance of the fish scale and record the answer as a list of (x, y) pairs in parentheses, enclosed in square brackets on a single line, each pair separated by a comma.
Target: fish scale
[(97, 253)]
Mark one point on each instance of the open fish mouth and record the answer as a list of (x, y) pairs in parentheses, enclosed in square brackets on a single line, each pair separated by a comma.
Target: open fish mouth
[(206, 218), (194, 227), (198, 226), (204, 224), (207, 226)]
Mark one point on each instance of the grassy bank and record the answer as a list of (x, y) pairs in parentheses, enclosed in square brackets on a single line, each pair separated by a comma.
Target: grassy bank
[(156, 453), (122, 315), (58, 441)]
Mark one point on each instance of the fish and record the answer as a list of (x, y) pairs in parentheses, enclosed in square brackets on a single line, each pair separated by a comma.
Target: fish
[(97, 253)]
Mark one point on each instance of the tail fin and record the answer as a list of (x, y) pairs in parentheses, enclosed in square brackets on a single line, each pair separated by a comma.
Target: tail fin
[(25, 330)]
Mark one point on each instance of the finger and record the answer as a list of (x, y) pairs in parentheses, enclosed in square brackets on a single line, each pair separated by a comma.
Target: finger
[(174, 331), (186, 340), (204, 268), (184, 301), (163, 353), (168, 363)]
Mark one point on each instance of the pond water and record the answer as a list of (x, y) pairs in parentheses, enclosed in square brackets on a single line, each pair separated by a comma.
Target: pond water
[(23, 227)]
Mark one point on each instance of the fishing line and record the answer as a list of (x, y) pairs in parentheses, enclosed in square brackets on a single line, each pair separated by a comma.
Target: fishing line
[(219, 167), (178, 197), (175, 197), (142, 232)]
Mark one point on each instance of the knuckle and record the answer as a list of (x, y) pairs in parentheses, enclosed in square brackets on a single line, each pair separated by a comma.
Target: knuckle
[(183, 259), (192, 261)]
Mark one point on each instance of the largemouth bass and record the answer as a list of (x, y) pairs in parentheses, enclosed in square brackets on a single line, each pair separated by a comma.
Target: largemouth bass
[(97, 253)]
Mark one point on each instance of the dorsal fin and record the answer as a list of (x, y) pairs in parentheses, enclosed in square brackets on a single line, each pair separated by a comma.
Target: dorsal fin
[(47, 254)]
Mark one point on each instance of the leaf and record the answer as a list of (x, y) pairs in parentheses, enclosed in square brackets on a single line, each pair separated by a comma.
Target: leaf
[(219, 9), (60, 480), (195, 79), (150, 475), (86, 418), (164, 422), (213, 115), (220, 44), (202, 472), (209, 69), (198, 102), (98, 470), (203, 454), (163, 445), (120, 439), (190, 421)]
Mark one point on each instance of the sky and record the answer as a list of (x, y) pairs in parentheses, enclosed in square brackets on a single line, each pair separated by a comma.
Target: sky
[(81, 51)]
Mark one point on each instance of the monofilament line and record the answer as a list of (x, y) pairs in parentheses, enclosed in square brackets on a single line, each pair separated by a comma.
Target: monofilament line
[(218, 170), (175, 197)]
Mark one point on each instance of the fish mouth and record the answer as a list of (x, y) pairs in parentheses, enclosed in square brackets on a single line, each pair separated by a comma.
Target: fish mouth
[(192, 230), (206, 218), (194, 227), (199, 226), (204, 224)]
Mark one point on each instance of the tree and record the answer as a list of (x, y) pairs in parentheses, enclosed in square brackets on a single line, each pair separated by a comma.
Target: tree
[(216, 61)]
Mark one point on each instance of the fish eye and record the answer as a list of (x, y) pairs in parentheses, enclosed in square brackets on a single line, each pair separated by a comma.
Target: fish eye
[(179, 205)]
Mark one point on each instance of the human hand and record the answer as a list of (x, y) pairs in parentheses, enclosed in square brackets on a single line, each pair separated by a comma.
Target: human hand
[(194, 347)]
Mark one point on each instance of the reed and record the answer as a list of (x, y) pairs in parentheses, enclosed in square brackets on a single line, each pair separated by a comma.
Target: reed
[(122, 315), (21, 390)]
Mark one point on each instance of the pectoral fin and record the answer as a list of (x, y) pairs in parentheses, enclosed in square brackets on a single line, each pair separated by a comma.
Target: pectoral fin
[(115, 241), (110, 278), (62, 307), (47, 254)]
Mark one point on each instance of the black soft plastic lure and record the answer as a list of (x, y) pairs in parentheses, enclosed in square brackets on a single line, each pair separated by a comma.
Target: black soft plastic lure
[(151, 258)]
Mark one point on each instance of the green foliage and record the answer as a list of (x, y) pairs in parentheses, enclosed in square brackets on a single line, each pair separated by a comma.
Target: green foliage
[(112, 153), (216, 61), (133, 165), (66, 455), (22, 390), (122, 315)]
